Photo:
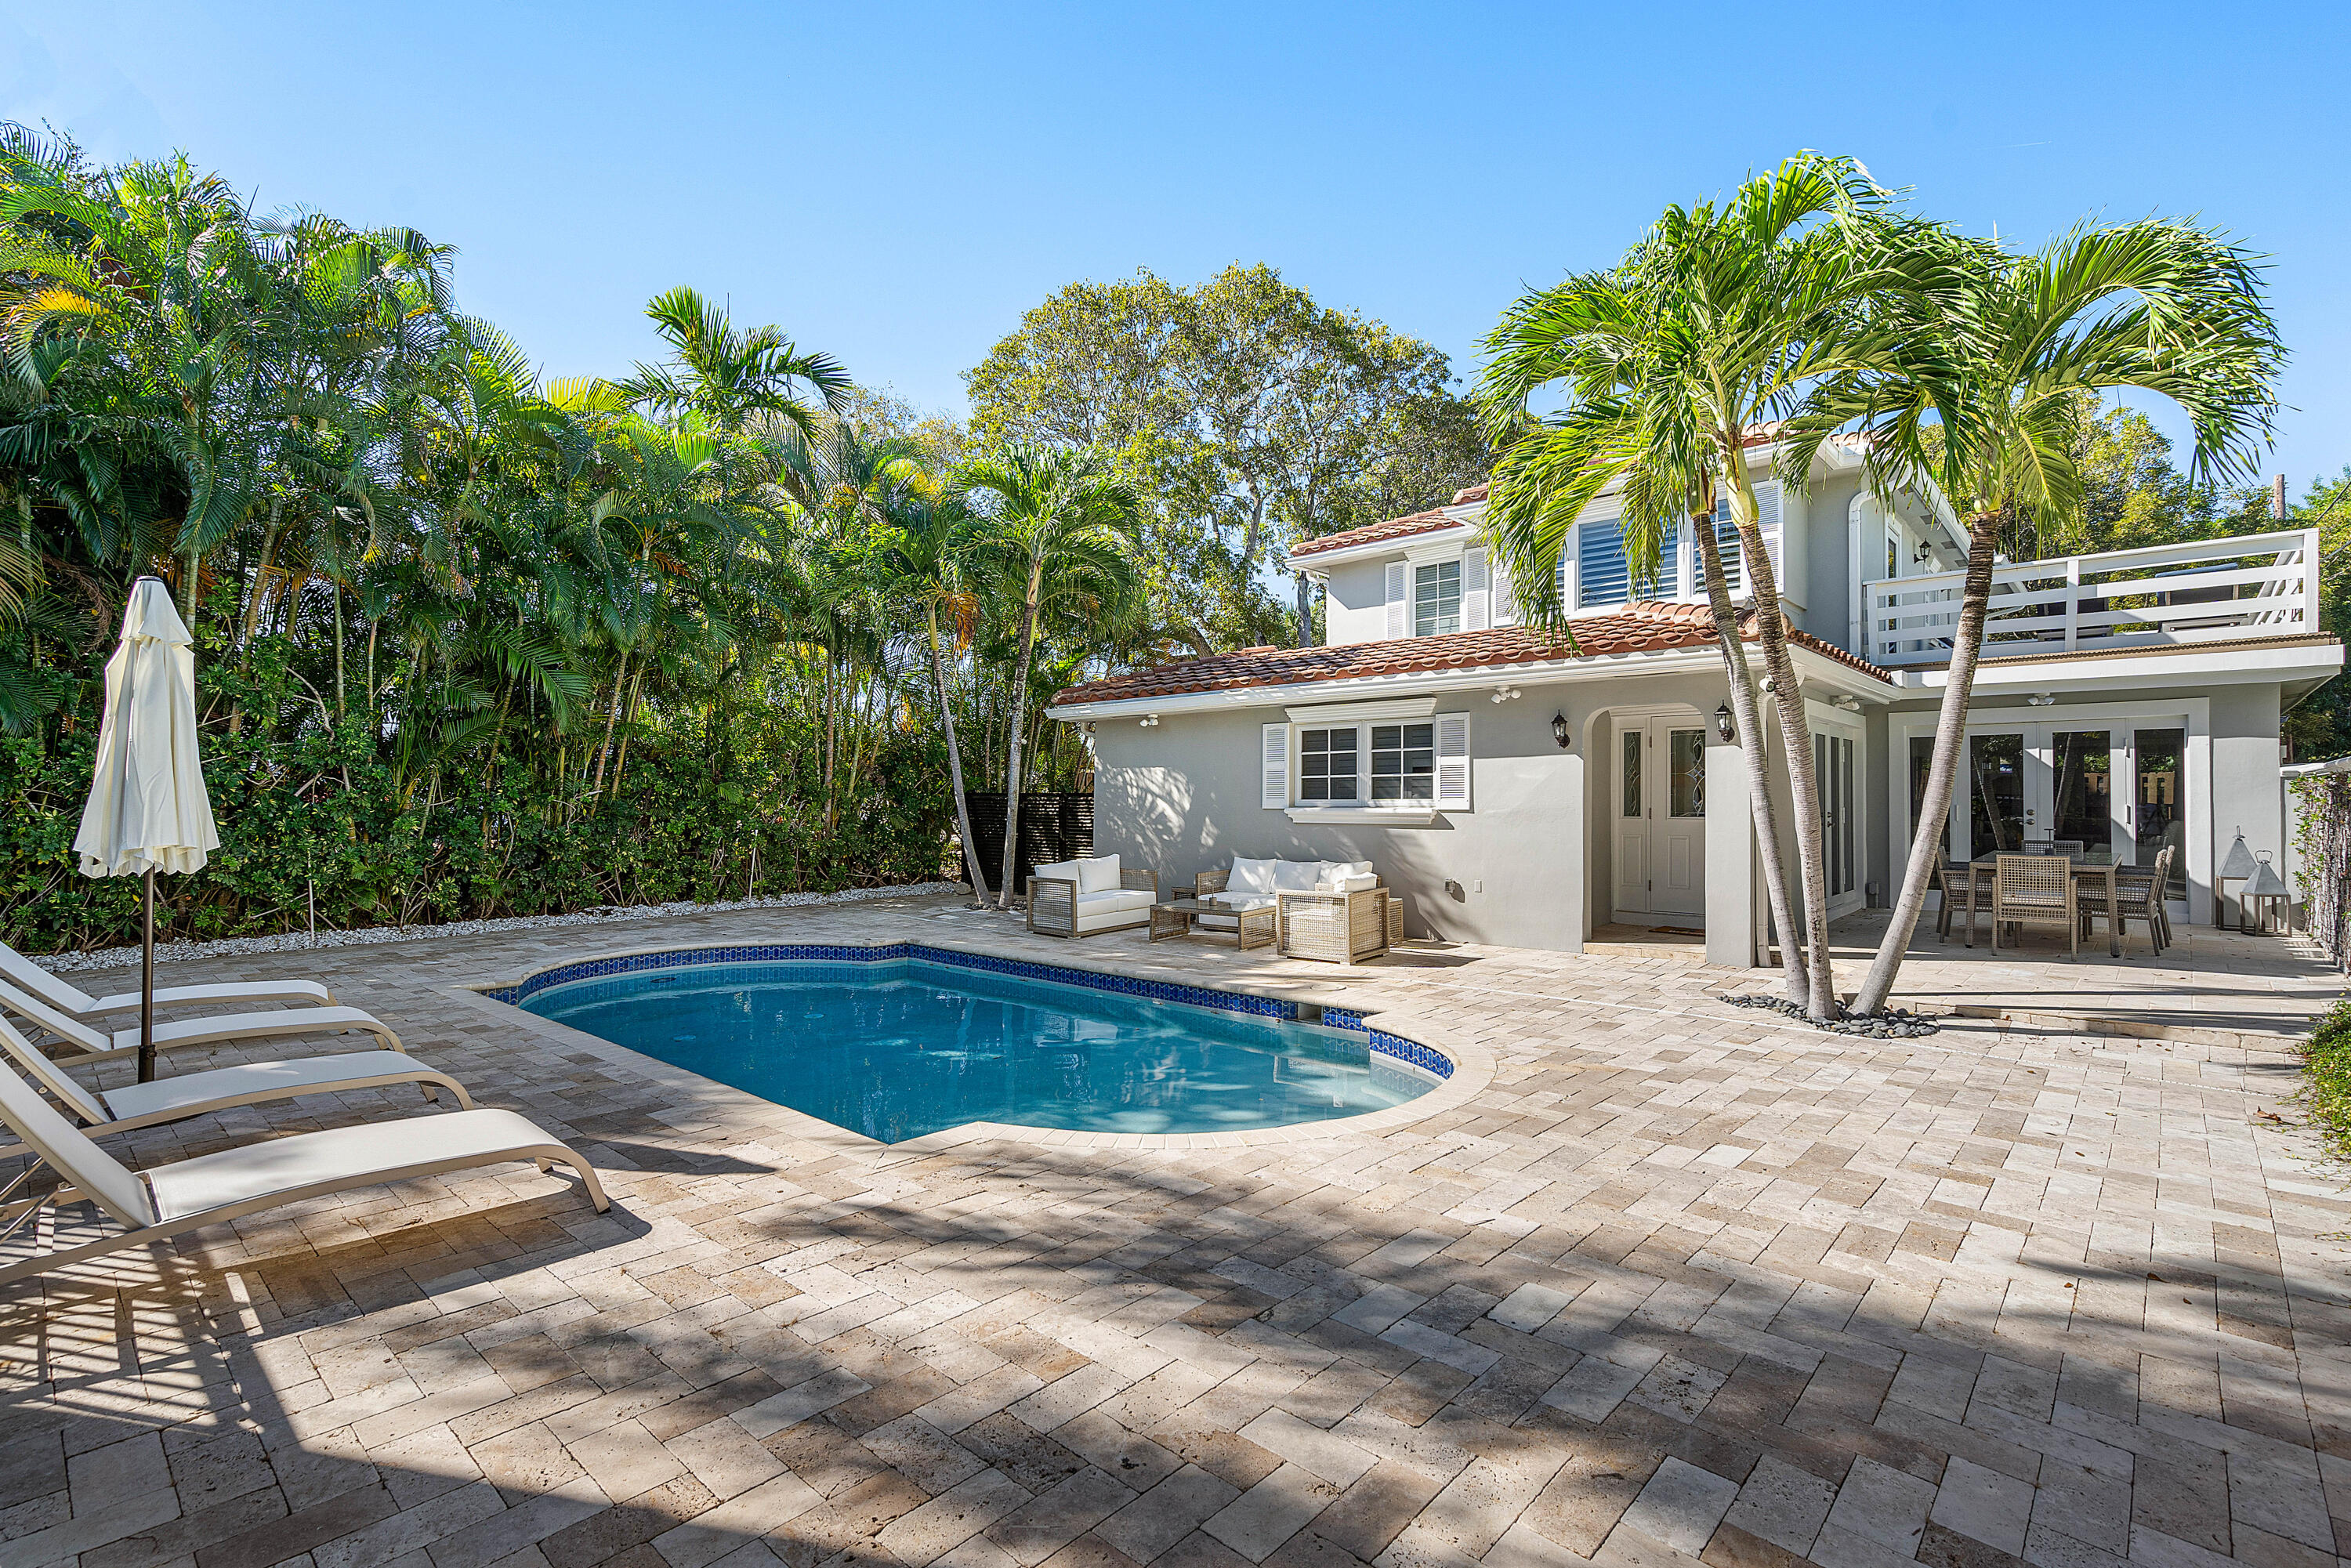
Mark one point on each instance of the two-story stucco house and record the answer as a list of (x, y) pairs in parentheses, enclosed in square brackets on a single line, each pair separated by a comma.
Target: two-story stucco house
[(1520, 790)]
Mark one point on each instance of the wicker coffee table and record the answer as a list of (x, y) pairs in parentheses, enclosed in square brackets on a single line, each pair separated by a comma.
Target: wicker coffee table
[(1180, 918)]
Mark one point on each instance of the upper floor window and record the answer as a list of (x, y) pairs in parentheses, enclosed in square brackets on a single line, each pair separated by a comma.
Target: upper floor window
[(1437, 599)]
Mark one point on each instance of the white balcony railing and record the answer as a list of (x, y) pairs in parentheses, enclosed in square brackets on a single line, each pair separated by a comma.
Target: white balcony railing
[(2255, 585)]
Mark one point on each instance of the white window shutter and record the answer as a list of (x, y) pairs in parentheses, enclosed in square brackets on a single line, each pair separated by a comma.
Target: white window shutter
[(1276, 755), (1399, 600), (1452, 761), (1767, 521), (1506, 598), (1476, 592)]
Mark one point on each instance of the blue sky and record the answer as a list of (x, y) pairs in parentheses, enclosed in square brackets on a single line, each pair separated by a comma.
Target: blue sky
[(896, 184)]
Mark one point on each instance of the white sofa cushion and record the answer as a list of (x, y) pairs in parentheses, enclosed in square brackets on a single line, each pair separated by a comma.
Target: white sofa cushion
[(1114, 898), (1099, 874), (1250, 876), (1356, 883), (1063, 870), (1242, 900), (1296, 876), (1347, 868)]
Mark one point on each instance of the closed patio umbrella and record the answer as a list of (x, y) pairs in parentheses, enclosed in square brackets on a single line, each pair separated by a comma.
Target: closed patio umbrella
[(147, 811)]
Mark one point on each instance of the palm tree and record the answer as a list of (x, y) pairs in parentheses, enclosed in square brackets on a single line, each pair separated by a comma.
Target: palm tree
[(1065, 528), (731, 377), (2014, 353), (1668, 367), (155, 262), (932, 531)]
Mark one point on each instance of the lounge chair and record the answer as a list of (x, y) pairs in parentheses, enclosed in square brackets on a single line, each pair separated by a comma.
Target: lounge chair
[(221, 1088), (188, 1194), (98, 1045), (31, 978)]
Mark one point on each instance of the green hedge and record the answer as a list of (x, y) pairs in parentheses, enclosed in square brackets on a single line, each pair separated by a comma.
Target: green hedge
[(2326, 1060), (327, 817)]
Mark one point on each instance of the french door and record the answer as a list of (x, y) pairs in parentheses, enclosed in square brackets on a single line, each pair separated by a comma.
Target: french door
[(2107, 785), (1661, 820)]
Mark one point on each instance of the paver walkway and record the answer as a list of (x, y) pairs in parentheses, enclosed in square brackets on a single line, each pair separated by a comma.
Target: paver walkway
[(1679, 1283)]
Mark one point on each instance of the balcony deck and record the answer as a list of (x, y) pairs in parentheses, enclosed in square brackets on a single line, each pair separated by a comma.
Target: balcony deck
[(2200, 591)]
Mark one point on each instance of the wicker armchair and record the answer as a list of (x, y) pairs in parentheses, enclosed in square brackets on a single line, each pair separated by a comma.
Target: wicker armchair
[(1056, 908), (1335, 928), (2035, 890), (1209, 881)]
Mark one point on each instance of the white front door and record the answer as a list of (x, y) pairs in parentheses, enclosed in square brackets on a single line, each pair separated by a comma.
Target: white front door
[(1660, 818)]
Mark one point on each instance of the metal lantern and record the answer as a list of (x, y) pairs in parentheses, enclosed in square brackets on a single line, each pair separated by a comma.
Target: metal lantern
[(2236, 865), (1724, 725), (2264, 905)]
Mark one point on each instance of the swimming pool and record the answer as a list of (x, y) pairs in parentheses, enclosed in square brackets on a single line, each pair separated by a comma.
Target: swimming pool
[(900, 1047)]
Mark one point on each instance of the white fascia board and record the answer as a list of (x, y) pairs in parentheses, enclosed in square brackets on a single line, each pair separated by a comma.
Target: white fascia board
[(1484, 677), (2185, 667), (1817, 671)]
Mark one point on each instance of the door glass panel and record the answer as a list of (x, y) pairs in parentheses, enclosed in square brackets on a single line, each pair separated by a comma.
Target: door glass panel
[(2081, 761), (1631, 744), (1922, 763), (1833, 782), (2155, 801), (1995, 793), (1686, 791)]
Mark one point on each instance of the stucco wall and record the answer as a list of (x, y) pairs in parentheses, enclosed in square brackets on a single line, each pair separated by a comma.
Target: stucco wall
[(1356, 606), (1184, 797)]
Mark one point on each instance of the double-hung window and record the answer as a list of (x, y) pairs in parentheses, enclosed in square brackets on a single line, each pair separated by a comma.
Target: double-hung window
[(1404, 762), (1327, 768), (1437, 599)]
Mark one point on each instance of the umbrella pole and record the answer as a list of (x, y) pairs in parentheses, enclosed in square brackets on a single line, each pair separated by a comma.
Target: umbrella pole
[(147, 989)]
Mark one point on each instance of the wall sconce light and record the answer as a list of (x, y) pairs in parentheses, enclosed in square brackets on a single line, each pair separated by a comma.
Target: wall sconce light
[(1723, 725), (1151, 721), (1562, 731)]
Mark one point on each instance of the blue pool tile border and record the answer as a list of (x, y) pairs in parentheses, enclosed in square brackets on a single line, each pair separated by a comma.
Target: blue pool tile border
[(1380, 1041)]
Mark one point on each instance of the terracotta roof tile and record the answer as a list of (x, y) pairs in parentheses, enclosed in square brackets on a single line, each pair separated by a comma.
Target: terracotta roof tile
[(1372, 533), (1642, 627)]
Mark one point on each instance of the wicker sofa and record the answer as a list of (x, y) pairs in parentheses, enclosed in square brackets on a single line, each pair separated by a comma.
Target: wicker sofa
[(1331, 910), (1090, 897)]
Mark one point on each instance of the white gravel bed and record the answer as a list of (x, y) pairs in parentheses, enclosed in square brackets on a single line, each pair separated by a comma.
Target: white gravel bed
[(303, 941)]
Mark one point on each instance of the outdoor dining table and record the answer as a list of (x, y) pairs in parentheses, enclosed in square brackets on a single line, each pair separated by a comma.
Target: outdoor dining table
[(2094, 872)]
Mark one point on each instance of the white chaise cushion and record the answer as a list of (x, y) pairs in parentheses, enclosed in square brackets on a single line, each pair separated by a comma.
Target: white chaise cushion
[(1250, 876), (1099, 874)]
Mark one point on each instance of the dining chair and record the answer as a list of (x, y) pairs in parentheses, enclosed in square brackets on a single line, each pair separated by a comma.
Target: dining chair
[(2066, 846), (1957, 879), (2138, 895), (2034, 890)]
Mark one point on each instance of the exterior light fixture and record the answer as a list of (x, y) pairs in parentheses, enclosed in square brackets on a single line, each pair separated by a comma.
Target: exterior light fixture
[(1504, 694), (2042, 699), (1150, 721), (1723, 726), (1562, 731)]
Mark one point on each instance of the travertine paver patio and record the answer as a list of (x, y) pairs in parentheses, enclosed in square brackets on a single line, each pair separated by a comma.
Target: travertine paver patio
[(1679, 1282)]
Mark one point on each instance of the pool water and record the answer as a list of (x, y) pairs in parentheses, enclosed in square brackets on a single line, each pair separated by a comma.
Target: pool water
[(897, 1048)]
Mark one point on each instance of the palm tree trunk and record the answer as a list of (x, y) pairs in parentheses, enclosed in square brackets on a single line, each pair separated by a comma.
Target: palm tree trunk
[(261, 573), (1744, 713), (1926, 840), (1796, 732), (1012, 764), (611, 718)]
